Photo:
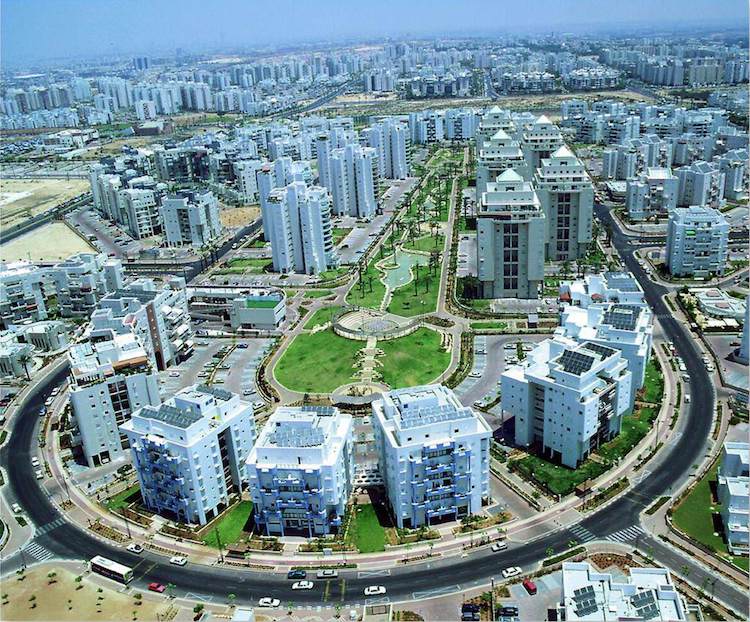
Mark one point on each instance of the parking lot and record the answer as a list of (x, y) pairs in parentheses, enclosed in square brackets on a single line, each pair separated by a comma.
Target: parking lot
[(467, 255), (226, 363)]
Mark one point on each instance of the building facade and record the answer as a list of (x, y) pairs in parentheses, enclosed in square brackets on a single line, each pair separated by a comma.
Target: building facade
[(83, 279), (433, 455), (697, 242), (191, 219), (732, 488)]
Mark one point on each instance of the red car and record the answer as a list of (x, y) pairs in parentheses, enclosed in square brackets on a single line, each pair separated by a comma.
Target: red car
[(530, 586), (156, 587)]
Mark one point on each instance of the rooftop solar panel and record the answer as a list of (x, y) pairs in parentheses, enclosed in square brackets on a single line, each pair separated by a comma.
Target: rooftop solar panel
[(574, 362), (622, 317)]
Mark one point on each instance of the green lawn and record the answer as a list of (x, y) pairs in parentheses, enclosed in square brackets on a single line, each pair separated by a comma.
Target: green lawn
[(363, 297), (231, 525), (333, 273), (243, 266), (339, 233), (653, 385), (490, 325), (318, 293), (318, 363), (409, 300), (365, 530), (413, 360), (695, 517), (426, 244), (124, 498), (321, 316)]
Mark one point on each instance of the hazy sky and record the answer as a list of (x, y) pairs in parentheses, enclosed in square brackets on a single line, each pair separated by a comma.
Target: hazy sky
[(41, 29)]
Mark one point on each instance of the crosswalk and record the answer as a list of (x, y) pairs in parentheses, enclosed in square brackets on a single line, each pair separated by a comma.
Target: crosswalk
[(37, 551), (40, 531), (626, 535), (581, 533)]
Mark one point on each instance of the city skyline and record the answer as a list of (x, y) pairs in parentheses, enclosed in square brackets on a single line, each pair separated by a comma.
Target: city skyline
[(130, 27)]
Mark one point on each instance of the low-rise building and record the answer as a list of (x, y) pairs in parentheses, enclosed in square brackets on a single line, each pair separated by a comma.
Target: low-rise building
[(697, 242), (83, 279), (22, 293), (300, 471), (591, 596), (256, 308), (433, 455), (109, 380), (159, 318), (568, 398), (619, 287), (189, 452), (46, 336), (628, 328), (732, 488), (16, 359)]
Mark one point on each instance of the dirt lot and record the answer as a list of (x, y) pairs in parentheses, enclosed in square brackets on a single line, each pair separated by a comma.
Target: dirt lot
[(115, 147), (23, 198), (238, 216), (39, 597), (54, 240)]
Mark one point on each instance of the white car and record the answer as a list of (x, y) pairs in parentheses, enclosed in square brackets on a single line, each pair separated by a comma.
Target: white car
[(513, 571), (269, 603), (302, 585), (178, 560), (39, 474), (374, 590), (174, 374), (16, 508), (499, 546), (327, 574), (135, 548), (35, 462)]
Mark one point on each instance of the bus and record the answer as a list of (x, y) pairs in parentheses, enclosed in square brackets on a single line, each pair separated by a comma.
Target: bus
[(111, 570)]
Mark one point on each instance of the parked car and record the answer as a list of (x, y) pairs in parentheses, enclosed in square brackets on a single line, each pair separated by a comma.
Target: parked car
[(135, 548), (302, 585), (156, 587), (178, 560), (374, 590), (296, 574), (327, 574), (529, 586), (513, 571), (39, 474), (16, 508), (499, 546), (268, 602)]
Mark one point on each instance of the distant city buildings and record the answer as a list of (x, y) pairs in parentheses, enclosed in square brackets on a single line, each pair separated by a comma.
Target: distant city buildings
[(433, 455), (301, 470), (697, 242), (189, 452)]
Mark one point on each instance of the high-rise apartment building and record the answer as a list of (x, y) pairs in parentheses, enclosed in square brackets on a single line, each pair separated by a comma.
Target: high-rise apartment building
[(567, 197), (189, 452), (697, 242), (191, 218), (510, 239), (390, 139), (652, 194), (300, 471), (540, 140), (496, 155), (353, 181)]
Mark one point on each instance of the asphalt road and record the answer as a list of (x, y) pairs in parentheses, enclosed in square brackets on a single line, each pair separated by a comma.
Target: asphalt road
[(403, 583)]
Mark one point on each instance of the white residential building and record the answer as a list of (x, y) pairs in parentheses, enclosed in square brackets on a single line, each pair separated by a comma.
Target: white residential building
[(300, 471), (628, 328), (246, 178), (190, 452), (45, 336), (591, 596), (141, 208), (621, 287), (540, 140), (16, 359), (300, 229), (83, 279), (433, 455), (733, 488), (496, 155), (652, 194), (353, 181), (390, 139), (567, 197), (145, 110), (159, 318), (109, 380), (191, 218), (510, 239), (568, 398), (21, 293), (734, 166), (697, 242), (701, 183)]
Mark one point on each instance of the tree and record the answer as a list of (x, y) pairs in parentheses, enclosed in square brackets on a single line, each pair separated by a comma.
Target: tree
[(231, 598), (25, 358), (549, 551)]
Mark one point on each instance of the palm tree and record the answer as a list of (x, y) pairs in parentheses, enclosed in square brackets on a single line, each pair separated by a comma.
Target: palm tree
[(25, 358)]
